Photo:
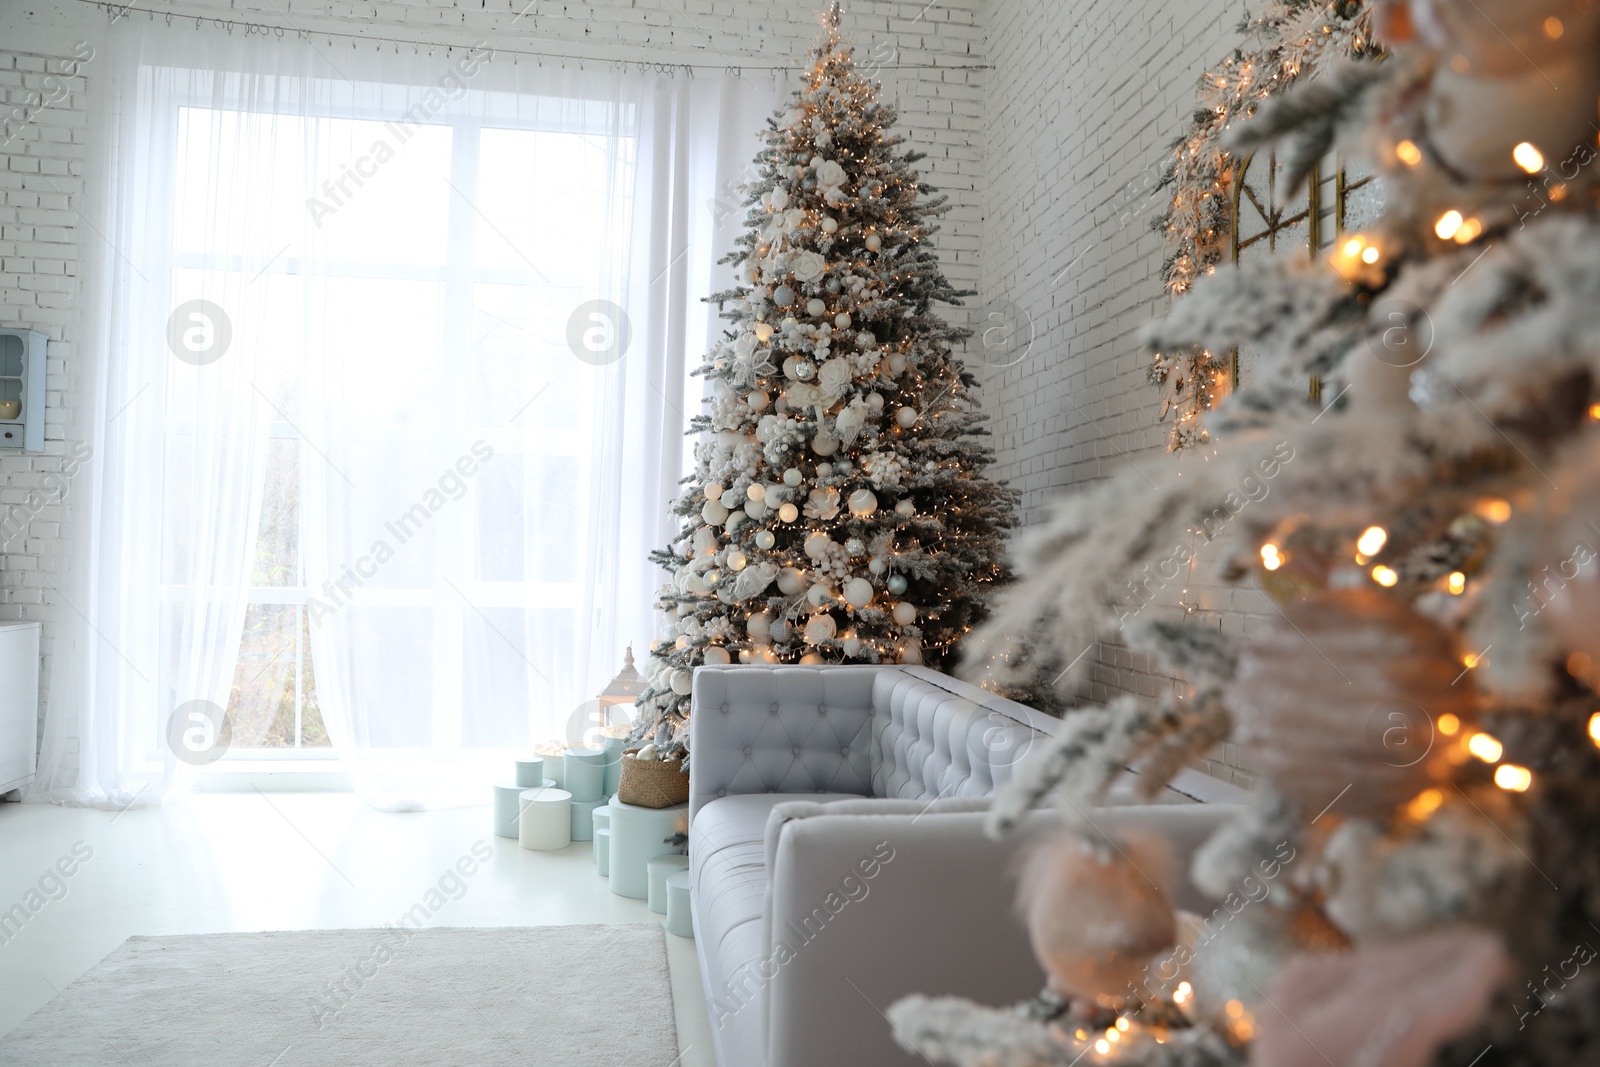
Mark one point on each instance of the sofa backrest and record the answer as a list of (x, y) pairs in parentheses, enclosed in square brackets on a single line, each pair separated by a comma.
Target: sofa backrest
[(934, 736), (780, 730), (891, 731)]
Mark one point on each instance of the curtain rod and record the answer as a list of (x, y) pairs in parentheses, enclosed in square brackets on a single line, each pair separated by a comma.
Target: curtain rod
[(116, 12)]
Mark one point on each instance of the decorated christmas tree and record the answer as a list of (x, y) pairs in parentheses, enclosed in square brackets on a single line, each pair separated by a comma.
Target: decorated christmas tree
[(1416, 881), (838, 511)]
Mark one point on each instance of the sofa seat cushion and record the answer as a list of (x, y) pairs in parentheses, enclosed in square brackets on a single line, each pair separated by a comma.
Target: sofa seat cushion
[(728, 886)]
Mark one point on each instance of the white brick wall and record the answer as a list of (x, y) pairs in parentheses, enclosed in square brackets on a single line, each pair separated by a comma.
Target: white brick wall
[(1081, 104), (41, 189)]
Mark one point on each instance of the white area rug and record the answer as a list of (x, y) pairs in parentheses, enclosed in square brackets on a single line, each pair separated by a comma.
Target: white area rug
[(573, 996)]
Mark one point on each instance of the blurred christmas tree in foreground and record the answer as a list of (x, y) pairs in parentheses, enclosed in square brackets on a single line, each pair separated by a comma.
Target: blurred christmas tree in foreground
[(837, 511), (1417, 880)]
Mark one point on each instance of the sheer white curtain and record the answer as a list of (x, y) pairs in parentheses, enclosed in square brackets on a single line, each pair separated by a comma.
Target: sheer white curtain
[(426, 424)]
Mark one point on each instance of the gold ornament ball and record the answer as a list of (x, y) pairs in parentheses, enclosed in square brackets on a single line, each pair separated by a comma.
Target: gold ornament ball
[(1094, 915)]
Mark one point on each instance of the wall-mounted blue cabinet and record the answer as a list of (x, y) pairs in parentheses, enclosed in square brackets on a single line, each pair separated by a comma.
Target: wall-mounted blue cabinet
[(21, 390)]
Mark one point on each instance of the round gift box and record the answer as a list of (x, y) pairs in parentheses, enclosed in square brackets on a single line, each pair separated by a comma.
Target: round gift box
[(544, 822)]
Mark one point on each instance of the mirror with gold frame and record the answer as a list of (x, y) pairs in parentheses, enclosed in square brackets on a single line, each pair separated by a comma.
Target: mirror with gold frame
[(1268, 218)]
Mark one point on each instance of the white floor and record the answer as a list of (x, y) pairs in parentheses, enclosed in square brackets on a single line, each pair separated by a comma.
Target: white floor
[(284, 861)]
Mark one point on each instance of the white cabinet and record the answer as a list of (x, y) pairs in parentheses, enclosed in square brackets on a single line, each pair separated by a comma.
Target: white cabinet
[(19, 703)]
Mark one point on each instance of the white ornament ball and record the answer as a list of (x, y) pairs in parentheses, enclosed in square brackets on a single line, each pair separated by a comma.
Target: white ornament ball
[(897, 364), (906, 508), (744, 655), (783, 296), (874, 242), (792, 581), (805, 370), (897, 584), (714, 490), (906, 418), (851, 646), (818, 544), (905, 613), (811, 659), (764, 332), (842, 320), (858, 592), (820, 628), (792, 476), (815, 307), (714, 513), (911, 654), (716, 656), (758, 400), (756, 509), (737, 560), (685, 610), (788, 513), (875, 401), (824, 470), (856, 547), (730, 499), (694, 584), (863, 503), (682, 683), (757, 491), (819, 596), (830, 225), (765, 540), (791, 368), (759, 626), (877, 566), (824, 443)]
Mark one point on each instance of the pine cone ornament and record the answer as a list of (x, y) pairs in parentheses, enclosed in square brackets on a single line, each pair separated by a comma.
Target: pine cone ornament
[(1340, 703)]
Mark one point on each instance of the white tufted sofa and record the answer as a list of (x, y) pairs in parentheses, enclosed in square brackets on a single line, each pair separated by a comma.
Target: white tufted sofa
[(837, 859)]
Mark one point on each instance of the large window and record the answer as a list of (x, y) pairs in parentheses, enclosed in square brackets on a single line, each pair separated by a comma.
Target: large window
[(418, 294)]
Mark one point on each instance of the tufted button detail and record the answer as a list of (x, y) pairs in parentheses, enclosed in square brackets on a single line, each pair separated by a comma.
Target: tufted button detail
[(724, 707), (844, 752), (822, 709), (722, 792), (796, 750), (747, 750), (773, 709)]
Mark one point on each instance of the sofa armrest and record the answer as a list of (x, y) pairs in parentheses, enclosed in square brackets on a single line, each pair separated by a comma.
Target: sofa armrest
[(866, 907), (780, 730)]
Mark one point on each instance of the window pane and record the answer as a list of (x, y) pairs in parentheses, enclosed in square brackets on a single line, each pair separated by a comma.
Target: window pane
[(498, 681), (545, 204), (278, 546), (378, 199), (378, 341), (313, 733), (262, 701)]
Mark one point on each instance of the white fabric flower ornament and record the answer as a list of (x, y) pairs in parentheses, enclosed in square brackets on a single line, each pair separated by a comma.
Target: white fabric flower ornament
[(830, 174), (809, 266)]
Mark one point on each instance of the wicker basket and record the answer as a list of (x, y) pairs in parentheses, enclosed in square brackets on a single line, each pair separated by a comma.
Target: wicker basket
[(653, 783)]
